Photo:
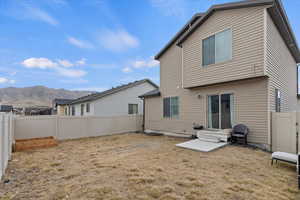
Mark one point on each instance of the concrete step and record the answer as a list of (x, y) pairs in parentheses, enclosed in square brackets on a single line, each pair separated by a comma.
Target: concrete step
[(214, 132), (214, 135), (208, 138)]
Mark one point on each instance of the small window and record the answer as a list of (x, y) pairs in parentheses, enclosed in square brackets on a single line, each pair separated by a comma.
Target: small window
[(88, 107), (217, 48), (277, 100), (132, 109), (73, 110), (81, 109), (171, 107)]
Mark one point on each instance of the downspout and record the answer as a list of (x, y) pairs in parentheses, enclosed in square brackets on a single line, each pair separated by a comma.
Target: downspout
[(143, 126)]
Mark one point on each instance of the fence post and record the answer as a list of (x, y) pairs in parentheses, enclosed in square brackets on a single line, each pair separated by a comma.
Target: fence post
[(56, 127), (298, 169), (1, 147), (297, 142)]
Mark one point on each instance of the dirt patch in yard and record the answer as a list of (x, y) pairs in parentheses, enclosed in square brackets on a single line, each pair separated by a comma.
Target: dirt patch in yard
[(136, 166), (35, 143)]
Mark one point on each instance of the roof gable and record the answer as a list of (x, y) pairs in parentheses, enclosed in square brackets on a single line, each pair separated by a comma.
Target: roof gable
[(276, 11), (98, 95)]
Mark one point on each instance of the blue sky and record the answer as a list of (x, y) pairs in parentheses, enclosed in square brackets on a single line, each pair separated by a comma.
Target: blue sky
[(92, 44)]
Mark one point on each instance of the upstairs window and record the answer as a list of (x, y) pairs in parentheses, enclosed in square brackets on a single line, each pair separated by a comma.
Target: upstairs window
[(132, 109), (171, 107), (217, 48)]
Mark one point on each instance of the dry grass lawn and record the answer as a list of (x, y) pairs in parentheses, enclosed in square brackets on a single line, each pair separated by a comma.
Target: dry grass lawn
[(135, 166)]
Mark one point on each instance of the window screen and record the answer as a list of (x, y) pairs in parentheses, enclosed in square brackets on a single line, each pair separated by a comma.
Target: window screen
[(81, 109), (277, 100), (171, 107), (88, 107), (132, 109), (208, 49), (166, 108), (73, 110)]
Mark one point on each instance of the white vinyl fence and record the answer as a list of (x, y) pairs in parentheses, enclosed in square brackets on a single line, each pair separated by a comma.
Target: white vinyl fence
[(6, 140), (285, 131), (66, 127)]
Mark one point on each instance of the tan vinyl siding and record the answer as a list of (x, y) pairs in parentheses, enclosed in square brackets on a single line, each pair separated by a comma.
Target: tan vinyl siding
[(250, 100), (247, 25), (281, 68)]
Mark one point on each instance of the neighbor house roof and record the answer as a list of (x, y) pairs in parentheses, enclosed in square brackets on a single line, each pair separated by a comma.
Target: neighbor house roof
[(58, 101), (99, 95), (152, 93), (275, 10)]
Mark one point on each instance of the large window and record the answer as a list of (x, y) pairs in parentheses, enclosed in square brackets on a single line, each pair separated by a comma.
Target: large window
[(171, 107), (277, 100), (132, 109), (217, 48)]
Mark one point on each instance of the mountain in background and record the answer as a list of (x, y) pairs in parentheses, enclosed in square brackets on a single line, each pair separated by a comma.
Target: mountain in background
[(36, 95)]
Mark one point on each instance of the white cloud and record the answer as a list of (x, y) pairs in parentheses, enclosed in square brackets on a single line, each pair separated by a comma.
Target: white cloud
[(71, 81), (41, 63), (118, 40), (177, 8), (6, 80), (80, 43), (73, 73), (3, 80), (93, 89), (12, 81), (126, 70), (145, 63), (81, 61), (41, 15), (59, 66), (65, 63)]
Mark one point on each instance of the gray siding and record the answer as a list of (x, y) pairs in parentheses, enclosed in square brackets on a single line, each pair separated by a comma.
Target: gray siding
[(281, 68), (247, 26)]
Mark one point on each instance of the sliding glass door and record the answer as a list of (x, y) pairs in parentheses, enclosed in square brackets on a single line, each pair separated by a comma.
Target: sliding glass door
[(220, 111)]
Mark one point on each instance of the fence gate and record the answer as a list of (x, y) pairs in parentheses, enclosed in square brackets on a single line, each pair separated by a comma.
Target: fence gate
[(284, 131)]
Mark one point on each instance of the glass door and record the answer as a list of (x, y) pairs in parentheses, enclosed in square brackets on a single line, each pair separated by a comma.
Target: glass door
[(220, 111), (226, 111), (213, 111)]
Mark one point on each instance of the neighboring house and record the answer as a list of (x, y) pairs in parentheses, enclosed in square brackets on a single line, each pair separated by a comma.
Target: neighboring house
[(233, 64), (38, 110), (61, 106), (6, 108), (121, 100)]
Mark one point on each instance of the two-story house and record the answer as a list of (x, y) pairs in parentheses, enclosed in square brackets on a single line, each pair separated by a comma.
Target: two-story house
[(233, 64)]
